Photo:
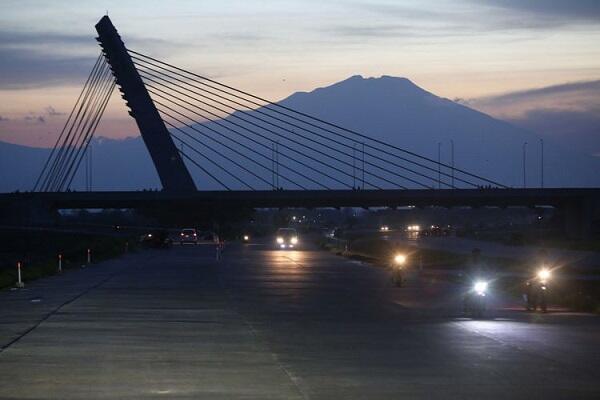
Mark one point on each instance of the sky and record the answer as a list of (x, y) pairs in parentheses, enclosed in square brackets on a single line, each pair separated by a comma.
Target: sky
[(534, 63)]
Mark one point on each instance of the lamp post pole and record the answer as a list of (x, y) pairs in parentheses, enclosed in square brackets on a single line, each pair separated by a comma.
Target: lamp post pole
[(439, 165), (524, 164), (452, 159), (542, 162), (363, 165), (353, 166)]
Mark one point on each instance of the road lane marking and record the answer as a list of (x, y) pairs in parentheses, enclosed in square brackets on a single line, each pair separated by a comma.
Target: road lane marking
[(56, 310)]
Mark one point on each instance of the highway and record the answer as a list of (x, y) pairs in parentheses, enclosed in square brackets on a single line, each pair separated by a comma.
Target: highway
[(268, 324)]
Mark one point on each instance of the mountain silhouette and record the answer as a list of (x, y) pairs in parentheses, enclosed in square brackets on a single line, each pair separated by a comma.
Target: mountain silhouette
[(398, 112)]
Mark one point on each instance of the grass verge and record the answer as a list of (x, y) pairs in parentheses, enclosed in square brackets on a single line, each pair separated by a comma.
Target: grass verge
[(38, 252)]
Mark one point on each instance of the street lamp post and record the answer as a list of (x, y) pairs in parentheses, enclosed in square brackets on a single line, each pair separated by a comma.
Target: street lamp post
[(439, 165), (524, 164), (542, 162), (273, 165), (353, 166), (363, 165), (452, 159), (91, 167), (277, 164)]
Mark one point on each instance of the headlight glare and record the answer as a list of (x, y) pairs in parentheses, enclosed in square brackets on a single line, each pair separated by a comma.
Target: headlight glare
[(480, 287), (400, 259), (544, 274)]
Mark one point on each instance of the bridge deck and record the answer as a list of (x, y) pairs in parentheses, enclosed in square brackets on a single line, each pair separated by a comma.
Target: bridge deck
[(311, 198)]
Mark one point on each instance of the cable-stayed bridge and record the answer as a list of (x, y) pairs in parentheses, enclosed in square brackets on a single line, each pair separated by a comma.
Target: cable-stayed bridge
[(261, 153), (236, 139)]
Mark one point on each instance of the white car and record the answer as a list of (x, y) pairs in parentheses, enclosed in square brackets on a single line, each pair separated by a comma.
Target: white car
[(286, 238)]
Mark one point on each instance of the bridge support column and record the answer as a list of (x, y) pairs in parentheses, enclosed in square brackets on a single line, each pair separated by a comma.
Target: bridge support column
[(578, 217), (172, 172)]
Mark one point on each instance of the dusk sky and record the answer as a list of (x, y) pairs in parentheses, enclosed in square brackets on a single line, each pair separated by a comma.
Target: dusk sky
[(489, 55)]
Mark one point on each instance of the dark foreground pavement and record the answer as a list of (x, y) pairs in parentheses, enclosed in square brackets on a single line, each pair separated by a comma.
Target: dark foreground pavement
[(268, 324)]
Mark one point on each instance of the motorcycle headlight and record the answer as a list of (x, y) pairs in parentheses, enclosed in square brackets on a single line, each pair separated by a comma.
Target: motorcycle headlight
[(294, 240), (246, 237), (544, 274), (400, 259), (280, 240), (480, 286)]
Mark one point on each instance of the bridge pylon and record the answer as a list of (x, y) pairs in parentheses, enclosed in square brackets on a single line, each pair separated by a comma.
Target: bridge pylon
[(172, 172)]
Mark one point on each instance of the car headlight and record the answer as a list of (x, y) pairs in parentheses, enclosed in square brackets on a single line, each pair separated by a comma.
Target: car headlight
[(280, 240), (246, 237), (400, 259), (480, 287), (544, 274), (294, 240)]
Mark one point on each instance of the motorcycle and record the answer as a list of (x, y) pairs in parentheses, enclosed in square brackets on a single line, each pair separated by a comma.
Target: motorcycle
[(398, 266), (537, 291), (475, 301)]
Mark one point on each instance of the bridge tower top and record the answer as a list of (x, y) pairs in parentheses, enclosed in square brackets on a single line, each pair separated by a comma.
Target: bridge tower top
[(172, 172)]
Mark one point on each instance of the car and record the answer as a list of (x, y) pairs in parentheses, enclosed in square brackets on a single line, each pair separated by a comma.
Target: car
[(188, 235), (286, 238), (158, 239)]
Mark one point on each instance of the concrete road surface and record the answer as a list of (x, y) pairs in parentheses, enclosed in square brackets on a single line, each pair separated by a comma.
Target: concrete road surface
[(265, 324)]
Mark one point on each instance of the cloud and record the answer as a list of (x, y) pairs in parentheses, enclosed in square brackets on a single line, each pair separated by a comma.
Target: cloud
[(575, 96), (42, 39), (23, 69), (397, 10), (373, 31), (244, 38), (51, 111), (567, 113), (558, 10), (35, 118), (467, 18), (68, 43), (43, 59), (550, 90)]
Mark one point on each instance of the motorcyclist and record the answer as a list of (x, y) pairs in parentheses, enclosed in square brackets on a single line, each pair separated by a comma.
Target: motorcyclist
[(398, 262), (536, 284), (475, 271)]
